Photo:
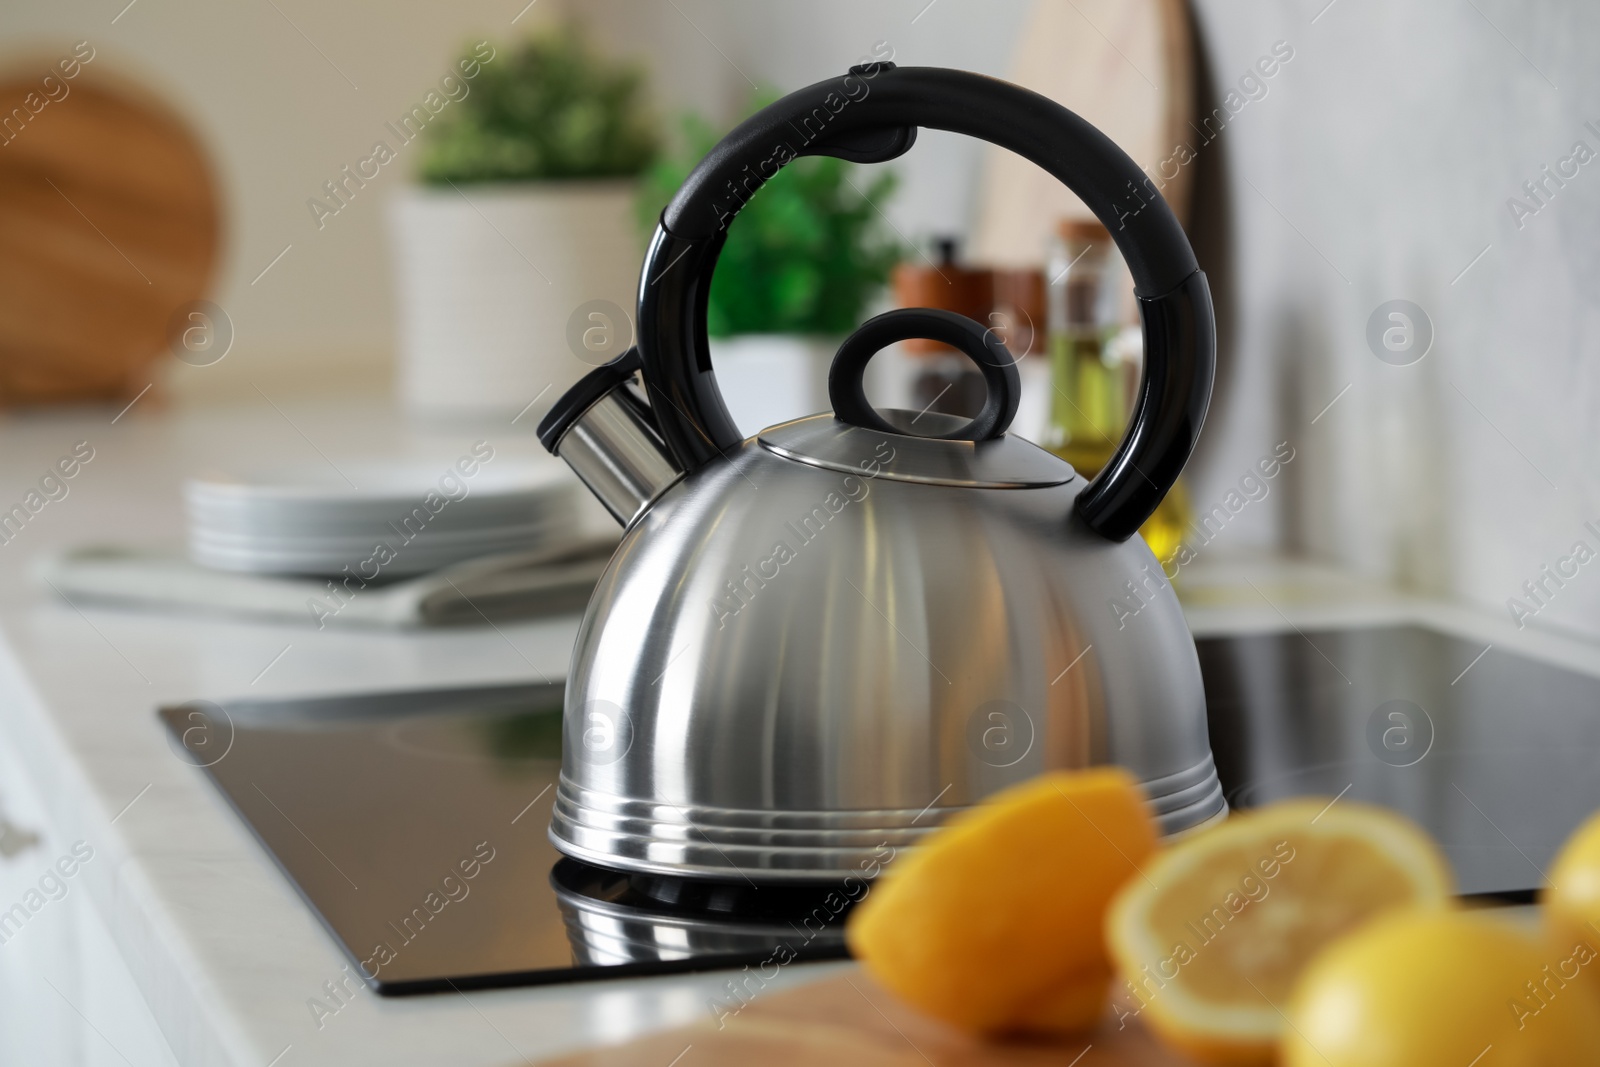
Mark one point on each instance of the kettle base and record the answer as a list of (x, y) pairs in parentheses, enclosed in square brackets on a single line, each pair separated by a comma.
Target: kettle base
[(696, 841)]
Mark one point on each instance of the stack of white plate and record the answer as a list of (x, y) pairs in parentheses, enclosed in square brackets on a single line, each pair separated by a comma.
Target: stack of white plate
[(384, 519)]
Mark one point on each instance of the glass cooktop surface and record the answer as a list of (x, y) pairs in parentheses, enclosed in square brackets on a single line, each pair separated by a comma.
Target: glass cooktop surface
[(413, 823)]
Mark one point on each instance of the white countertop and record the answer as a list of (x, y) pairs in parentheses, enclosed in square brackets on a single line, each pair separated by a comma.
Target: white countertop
[(220, 945)]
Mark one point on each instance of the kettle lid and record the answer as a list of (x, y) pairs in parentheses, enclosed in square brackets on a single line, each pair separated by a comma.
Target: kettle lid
[(1004, 462)]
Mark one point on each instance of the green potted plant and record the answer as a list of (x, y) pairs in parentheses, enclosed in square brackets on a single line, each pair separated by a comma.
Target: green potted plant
[(803, 261), (520, 215)]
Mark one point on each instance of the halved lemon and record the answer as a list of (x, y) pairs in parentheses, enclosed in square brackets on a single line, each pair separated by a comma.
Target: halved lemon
[(1212, 936), (995, 924)]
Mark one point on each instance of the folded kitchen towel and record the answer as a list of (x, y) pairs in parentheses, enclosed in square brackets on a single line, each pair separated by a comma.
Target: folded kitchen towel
[(553, 579)]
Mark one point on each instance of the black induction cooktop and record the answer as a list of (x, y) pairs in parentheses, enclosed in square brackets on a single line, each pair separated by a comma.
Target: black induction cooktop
[(414, 823)]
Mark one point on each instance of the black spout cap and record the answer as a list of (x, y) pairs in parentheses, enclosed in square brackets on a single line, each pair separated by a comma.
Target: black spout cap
[(583, 395)]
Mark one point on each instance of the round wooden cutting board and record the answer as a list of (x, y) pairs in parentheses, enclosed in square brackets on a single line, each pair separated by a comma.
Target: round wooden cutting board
[(1127, 66), (108, 227)]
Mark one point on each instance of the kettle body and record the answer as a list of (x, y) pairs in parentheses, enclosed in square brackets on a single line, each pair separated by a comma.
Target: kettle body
[(813, 646), (788, 669)]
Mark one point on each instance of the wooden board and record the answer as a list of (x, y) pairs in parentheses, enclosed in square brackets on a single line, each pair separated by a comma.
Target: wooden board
[(1126, 66), (108, 225), (848, 1020)]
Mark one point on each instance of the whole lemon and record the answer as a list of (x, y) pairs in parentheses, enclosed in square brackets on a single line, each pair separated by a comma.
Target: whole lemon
[(1444, 988), (1572, 903)]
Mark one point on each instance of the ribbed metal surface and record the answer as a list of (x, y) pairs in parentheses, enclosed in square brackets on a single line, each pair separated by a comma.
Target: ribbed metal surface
[(787, 667)]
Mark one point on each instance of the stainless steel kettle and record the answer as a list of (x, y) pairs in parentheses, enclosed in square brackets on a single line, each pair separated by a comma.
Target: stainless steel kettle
[(814, 645)]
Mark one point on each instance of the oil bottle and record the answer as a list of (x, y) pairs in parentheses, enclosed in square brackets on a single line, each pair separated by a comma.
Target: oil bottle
[(1095, 362)]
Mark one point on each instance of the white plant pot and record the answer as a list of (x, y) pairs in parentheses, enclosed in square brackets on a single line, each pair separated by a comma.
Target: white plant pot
[(487, 279), (768, 378)]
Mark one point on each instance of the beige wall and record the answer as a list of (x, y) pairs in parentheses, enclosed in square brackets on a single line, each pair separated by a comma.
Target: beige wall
[(1381, 166)]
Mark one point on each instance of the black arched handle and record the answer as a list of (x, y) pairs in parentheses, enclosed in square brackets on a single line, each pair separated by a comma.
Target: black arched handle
[(866, 115), (845, 378), (1179, 327)]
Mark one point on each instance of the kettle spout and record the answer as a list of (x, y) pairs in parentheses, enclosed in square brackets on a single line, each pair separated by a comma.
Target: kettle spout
[(604, 431)]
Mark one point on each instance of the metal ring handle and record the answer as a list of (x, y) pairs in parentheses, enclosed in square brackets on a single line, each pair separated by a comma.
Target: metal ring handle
[(848, 395)]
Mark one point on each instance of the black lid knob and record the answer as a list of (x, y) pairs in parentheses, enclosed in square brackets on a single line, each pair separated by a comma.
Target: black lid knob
[(847, 392)]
